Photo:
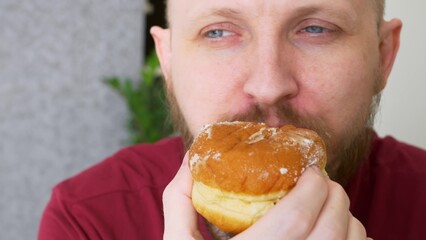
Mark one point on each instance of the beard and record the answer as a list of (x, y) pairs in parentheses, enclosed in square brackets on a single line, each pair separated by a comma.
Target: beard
[(345, 152)]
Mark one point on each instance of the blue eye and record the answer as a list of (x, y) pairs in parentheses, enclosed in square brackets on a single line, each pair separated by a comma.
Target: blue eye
[(218, 33), (215, 33), (314, 29)]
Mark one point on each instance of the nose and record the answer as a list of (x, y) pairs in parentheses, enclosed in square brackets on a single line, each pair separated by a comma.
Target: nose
[(270, 79)]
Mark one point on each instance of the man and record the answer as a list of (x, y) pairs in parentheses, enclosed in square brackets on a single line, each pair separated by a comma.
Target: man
[(319, 64)]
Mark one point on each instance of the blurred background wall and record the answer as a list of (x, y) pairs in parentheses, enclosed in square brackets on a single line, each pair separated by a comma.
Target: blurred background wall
[(403, 111), (57, 117)]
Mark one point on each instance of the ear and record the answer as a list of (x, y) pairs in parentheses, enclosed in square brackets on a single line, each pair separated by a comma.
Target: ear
[(389, 45), (163, 48)]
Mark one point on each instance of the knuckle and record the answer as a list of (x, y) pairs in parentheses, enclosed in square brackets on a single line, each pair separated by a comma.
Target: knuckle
[(358, 227), (167, 192), (340, 194), (335, 231), (301, 220)]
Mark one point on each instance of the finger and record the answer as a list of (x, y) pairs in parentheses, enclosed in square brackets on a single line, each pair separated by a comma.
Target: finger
[(334, 217), (180, 218), (356, 230), (295, 214)]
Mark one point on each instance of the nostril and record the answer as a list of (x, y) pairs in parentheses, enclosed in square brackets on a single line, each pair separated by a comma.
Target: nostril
[(270, 91)]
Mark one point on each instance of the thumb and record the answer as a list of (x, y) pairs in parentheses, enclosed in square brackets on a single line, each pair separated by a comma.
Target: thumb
[(180, 218)]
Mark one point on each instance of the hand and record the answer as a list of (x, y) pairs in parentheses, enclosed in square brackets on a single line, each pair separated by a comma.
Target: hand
[(316, 208), (180, 218)]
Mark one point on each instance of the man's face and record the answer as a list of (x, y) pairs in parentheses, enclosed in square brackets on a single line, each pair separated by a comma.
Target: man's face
[(311, 63)]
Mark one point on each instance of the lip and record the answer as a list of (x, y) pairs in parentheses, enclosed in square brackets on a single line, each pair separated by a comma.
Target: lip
[(270, 118), (273, 120), (273, 116)]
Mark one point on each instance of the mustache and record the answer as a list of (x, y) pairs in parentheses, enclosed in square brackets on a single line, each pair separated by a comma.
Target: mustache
[(286, 115)]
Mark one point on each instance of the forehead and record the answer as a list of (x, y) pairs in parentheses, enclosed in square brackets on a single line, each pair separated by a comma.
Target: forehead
[(195, 10)]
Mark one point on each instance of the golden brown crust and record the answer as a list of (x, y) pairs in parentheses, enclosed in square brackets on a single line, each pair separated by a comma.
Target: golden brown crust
[(251, 158), (236, 163)]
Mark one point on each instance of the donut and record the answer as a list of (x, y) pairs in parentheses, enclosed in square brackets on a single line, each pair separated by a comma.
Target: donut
[(241, 169)]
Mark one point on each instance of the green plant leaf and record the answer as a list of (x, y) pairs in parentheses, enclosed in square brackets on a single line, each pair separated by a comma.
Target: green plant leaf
[(145, 99)]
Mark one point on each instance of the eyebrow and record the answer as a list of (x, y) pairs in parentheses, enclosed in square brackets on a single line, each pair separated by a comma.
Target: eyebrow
[(223, 12), (350, 18), (309, 10)]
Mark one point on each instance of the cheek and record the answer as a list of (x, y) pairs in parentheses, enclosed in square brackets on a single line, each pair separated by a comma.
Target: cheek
[(338, 90), (205, 89)]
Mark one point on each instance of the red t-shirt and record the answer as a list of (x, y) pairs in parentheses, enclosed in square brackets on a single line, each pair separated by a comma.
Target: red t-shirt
[(388, 193), (120, 198)]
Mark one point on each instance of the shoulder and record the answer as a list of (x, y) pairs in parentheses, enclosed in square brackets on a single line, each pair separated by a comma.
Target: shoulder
[(388, 191), (392, 168), (389, 153), (115, 192), (130, 169)]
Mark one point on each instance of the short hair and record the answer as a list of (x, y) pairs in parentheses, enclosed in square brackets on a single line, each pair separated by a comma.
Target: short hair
[(380, 9), (379, 5)]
